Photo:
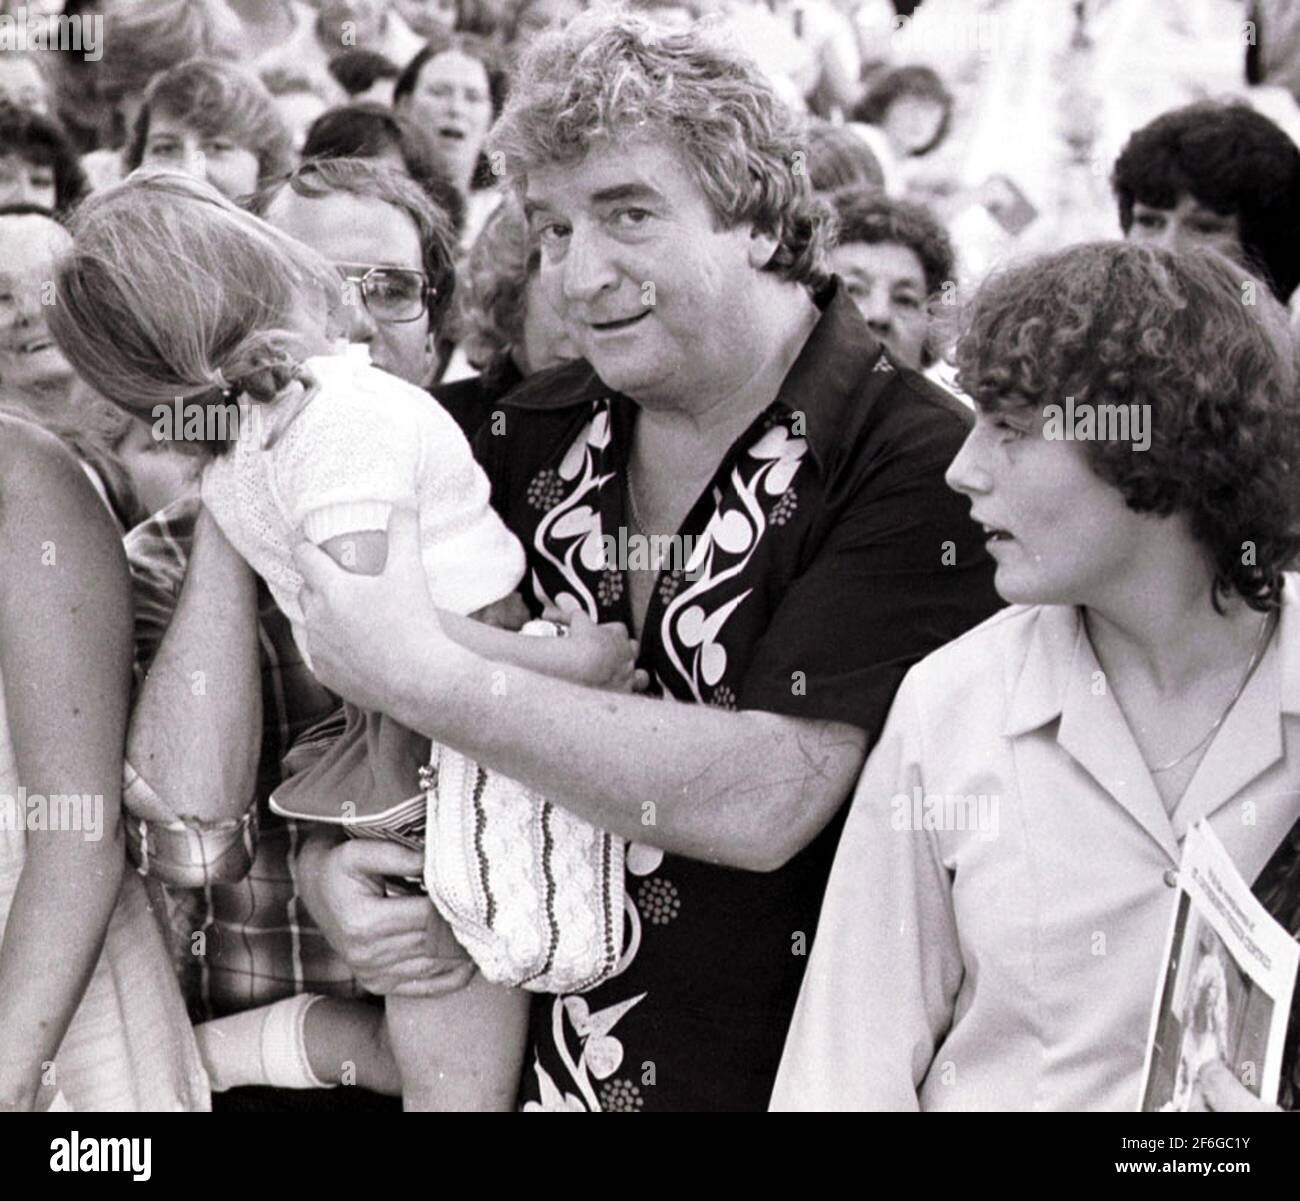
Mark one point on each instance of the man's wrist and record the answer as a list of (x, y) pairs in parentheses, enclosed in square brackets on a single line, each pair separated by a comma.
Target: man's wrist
[(436, 687)]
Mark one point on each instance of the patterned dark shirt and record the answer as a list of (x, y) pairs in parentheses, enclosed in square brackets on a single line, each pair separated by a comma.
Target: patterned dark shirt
[(829, 556)]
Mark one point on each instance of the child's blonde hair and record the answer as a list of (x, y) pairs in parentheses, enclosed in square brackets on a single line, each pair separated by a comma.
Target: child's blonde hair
[(170, 291)]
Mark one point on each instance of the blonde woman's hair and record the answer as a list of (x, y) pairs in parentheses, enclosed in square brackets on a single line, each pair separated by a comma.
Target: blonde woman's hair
[(171, 292)]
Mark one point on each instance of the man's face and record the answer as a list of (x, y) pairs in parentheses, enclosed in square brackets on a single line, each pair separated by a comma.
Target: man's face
[(1188, 224), (887, 283), (29, 357), (360, 232), (217, 158), (22, 84), (653, 295)]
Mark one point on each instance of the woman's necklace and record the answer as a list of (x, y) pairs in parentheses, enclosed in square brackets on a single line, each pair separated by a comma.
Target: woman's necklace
[(1265, 629)]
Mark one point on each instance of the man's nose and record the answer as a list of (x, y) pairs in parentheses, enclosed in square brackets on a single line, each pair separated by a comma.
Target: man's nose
[(361, 326), (587, 269)]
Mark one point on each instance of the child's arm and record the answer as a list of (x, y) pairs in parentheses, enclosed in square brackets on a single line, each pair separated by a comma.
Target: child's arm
[(65, 656), (602, 656)]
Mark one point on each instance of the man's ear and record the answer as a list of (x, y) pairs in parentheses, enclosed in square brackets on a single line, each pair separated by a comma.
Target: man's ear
[(762, 246), (431, 363)]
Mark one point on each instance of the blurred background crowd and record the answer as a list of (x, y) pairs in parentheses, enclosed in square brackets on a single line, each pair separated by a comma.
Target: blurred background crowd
[(952, 135)]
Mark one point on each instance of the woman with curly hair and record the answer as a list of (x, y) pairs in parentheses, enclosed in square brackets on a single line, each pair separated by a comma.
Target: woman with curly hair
[(991, 934), (509, 326)]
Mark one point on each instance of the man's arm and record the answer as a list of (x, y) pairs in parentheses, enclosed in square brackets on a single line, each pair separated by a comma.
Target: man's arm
[(743, 789), (196, 730)]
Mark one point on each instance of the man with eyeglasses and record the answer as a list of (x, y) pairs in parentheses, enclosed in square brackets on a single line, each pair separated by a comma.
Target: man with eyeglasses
[(392, 250), (201, 615)]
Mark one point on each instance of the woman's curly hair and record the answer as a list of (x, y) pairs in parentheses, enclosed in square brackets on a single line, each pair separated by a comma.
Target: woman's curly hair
[(493, 297), (1193, 337), (608, 74)]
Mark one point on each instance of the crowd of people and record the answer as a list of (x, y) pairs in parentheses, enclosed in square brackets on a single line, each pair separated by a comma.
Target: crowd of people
[(501, 499)]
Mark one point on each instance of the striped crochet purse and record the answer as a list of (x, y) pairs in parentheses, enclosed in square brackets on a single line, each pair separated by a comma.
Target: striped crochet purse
[(534, 894)]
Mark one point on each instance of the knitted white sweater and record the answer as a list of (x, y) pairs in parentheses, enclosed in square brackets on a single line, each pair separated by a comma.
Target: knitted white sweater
[(365, 441)]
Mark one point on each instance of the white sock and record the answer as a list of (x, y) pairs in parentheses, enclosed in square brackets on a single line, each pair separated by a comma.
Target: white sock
[(260, 1046)]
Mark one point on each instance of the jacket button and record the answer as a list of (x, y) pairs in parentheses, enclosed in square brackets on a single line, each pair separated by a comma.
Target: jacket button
[(1171, 877)]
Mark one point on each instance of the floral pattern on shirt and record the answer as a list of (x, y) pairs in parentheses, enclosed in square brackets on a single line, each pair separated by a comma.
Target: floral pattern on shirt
[(688, 616)]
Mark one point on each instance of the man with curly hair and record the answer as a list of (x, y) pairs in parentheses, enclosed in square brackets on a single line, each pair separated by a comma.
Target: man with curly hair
[(1217, 175), (728, 391), (1146, 677)]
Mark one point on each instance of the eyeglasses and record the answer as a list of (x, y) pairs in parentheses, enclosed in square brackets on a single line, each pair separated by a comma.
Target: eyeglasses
[(392, 295)]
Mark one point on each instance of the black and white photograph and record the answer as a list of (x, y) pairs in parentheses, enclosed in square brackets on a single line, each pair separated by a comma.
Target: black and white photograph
[(650, 556)]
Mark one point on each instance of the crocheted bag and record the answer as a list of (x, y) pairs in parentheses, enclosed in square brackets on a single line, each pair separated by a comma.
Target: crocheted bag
[(534, 894)]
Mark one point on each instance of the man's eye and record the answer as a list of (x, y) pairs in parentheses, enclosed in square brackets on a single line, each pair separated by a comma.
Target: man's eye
[(163, 149), (218, 147), (1008, 431), (631, 218), (1150, 220), (907, 302), (551, 233), (393, 287)]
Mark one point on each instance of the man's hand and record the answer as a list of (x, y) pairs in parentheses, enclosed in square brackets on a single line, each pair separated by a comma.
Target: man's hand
[(372, 638), (391, 944)]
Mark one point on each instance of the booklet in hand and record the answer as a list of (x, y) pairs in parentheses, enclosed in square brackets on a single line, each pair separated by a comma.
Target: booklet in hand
[(1226, 990)]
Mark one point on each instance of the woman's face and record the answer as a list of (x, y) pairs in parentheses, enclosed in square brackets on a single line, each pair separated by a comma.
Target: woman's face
[(453, 103), (1187, 225), (23, 182), (229, 167), (911, 123), (887, 283), (30, 359), (1059, 534), (159, 471), (22, 83)]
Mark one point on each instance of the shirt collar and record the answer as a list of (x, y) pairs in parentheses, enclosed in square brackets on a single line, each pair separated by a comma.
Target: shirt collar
[(838, 373), (1056, 642)]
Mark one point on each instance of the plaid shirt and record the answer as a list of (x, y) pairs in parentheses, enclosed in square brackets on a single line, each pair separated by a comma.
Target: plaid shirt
[(231, 882)]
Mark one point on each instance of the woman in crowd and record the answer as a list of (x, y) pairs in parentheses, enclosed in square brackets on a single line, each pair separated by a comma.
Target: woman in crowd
[(895, 259), (371, 131), (991, 936), (905, 114), (454, 89), (38, 164), (90, 1014), (23, 81), (508, 325), (214, 121), (1218, 175), (839, 158)]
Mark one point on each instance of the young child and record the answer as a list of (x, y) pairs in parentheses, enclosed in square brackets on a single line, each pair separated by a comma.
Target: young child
[(170, 291)]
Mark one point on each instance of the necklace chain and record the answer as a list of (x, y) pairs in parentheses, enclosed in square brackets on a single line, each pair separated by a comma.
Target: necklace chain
[(1261, 641)]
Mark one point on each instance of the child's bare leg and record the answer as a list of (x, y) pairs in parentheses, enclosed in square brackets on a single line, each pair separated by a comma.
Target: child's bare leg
[(347, 1044), (460, 1051), (303, 1041)]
